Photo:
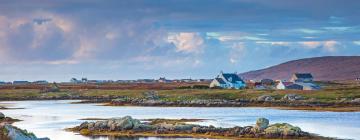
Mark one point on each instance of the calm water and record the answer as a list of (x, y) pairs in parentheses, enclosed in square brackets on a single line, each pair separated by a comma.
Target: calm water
[(49, 118)]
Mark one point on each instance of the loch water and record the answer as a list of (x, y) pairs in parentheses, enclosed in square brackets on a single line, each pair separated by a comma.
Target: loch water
[(49, 118)]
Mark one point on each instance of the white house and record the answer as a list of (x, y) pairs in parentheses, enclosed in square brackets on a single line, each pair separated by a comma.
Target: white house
[(228, 80)]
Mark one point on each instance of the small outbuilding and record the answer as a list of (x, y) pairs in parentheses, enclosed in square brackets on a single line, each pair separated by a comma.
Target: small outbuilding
[(283, 85)]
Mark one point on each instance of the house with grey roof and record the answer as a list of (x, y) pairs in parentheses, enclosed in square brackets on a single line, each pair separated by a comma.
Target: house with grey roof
[(301, 77), (228, 80), (303, 80)]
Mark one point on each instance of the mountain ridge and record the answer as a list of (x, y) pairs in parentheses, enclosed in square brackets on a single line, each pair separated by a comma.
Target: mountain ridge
[(324, 68)]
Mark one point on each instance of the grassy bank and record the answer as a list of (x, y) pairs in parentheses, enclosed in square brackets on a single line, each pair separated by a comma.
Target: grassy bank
[(330, 93)]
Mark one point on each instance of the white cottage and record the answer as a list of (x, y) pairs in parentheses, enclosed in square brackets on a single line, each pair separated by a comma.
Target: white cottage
[(228, 80)]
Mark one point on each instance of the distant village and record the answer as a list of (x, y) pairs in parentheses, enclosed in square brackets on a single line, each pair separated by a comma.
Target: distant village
[(89, 81), (298, 81)]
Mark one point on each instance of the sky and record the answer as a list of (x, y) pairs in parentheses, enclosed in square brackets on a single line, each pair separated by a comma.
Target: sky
[(134, 39)]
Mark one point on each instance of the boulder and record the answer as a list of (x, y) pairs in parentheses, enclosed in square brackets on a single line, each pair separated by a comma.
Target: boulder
[(2, 116), (236, 131), (166, 126), (196, 130), (83, 125), (15, 133), (246, 130), (144, 127), (91, 126), (113, 127), (184, 127), (357, 101), (110, 122), (125, 123), (261, 124), (265, 98), (292, 97), (282, 130)]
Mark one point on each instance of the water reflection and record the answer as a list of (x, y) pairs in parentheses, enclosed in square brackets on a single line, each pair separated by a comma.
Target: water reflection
[(49, 118)]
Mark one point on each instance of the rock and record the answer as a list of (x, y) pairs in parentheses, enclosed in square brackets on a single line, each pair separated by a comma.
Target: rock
[(265, 98), (151, 95), (282, 130), (357, 101), (113, 127), (97, 124), (236, 131), (261, 124), (2, 116), (110, 122), (246, 130), (184, 127), (83, 125), (196, 130), (292, 97), (103, 125), (15, 133), (91, 126), (144, 127), (166, 126), (125, 123), (134, 126)]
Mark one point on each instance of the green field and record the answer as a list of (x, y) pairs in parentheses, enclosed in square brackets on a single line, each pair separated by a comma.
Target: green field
[(331, 92)]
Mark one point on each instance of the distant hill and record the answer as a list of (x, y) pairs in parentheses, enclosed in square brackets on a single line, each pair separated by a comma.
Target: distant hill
[(322, 68)]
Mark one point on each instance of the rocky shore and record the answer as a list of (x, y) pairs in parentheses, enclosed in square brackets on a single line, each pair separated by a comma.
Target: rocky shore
[(288, 101), (128, 126), (10, 132)]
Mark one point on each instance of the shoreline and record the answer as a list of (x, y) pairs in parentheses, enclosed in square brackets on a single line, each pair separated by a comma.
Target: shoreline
[(127, 126), (275, 105), (300, 108)]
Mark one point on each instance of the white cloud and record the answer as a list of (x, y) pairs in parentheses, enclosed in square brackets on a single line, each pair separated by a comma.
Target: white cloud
[(338, 29), (275, 43), (86, 49), (188, 42), (237, 52), (309, 31), (330, 45), (237, 38), (311, 44), (234, 36), (309, 37), (356, 42)]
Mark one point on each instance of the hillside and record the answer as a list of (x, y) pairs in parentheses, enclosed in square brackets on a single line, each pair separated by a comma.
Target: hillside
[(323, 68)]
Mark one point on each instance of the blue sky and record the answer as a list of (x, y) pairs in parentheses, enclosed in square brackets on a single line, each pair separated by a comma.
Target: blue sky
[(131, 39)]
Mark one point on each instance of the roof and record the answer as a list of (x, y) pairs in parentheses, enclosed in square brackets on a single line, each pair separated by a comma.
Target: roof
[(294, 86), (287, 83), (220, 80), (303, 75), (232, 76)]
